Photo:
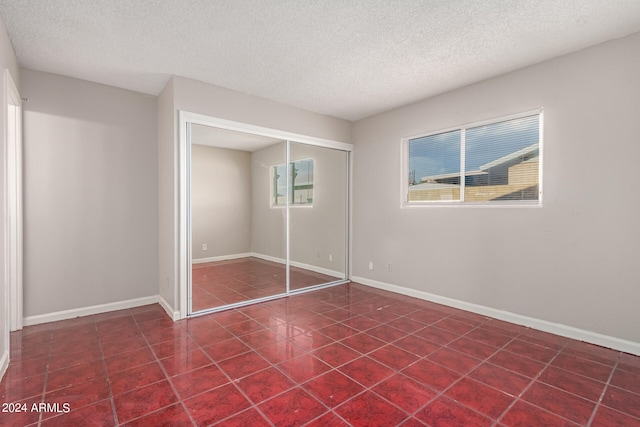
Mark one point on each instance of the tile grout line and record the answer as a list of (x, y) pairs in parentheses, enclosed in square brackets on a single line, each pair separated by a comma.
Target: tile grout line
[(231, 380), (533, 380), (246, 281), (166, 375), (310, 352), (486, 360), (386, 343), (604, 391), (46, 377), (332, 412), (296, 383), (106, 373), (444, 390), (399, 371), (360, 355)]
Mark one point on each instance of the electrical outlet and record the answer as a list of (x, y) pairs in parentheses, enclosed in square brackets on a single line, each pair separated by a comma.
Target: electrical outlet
[(204, 246), (389, 267), (330, 257), (370, 265), (318, 254)]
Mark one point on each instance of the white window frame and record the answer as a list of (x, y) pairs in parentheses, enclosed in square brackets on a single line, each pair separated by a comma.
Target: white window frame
[(404, 167), (291, 202)]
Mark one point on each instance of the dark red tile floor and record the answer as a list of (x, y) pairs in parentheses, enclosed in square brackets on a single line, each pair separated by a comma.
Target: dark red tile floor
[(347, 355), (219, 283)]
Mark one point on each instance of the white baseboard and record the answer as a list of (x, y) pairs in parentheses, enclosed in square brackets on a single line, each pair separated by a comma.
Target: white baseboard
[(173, 314), (87, 311), (309, 267), (531, 322), (267, 257), (4, 363), (326, 271), (220, 258)]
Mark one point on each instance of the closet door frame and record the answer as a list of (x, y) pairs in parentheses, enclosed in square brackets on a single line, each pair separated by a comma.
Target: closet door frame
[(186, 119)]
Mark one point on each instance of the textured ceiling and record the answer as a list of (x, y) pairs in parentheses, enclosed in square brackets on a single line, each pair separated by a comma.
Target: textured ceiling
[(345, 58)]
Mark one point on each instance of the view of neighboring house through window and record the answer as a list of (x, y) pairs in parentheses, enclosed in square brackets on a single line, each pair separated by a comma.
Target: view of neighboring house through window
[(300, 189), (491, 162)]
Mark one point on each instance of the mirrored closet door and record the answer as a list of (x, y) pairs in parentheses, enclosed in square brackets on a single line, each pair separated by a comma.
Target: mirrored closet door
[(317, 215), (267, 217), (235, 236)]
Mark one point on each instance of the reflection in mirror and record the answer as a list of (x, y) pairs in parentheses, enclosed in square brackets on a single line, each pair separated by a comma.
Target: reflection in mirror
[(243, 192), (318, 215), (238, 242)]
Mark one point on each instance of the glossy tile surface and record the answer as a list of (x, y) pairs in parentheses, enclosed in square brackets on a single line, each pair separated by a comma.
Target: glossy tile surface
[(344, 356), (219, 283)]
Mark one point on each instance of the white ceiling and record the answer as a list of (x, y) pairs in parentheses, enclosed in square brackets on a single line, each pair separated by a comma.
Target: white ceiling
[(345, 58)]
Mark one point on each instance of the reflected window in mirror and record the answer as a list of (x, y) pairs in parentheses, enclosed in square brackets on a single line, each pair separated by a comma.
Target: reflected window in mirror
[(300, 191)]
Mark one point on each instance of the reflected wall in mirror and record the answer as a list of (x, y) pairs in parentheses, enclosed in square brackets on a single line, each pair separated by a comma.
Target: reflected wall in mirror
[(318, 215), (233, 239)]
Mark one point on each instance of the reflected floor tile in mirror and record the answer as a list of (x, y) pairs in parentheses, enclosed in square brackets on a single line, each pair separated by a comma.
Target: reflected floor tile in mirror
[(215, 284)]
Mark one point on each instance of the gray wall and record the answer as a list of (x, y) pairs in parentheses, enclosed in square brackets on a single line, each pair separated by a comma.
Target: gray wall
[(220, 201), (90, 194), (167, 196), (7, 61), (215, 101), (198, 97), (267, 223), (321, 230), (237, 224), (573, 261)]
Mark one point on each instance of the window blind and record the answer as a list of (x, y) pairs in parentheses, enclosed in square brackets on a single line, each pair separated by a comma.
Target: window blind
[(491, 162)]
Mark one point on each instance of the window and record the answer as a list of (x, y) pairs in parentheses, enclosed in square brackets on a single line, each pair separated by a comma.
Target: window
[(497, 161), (301, 180)]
